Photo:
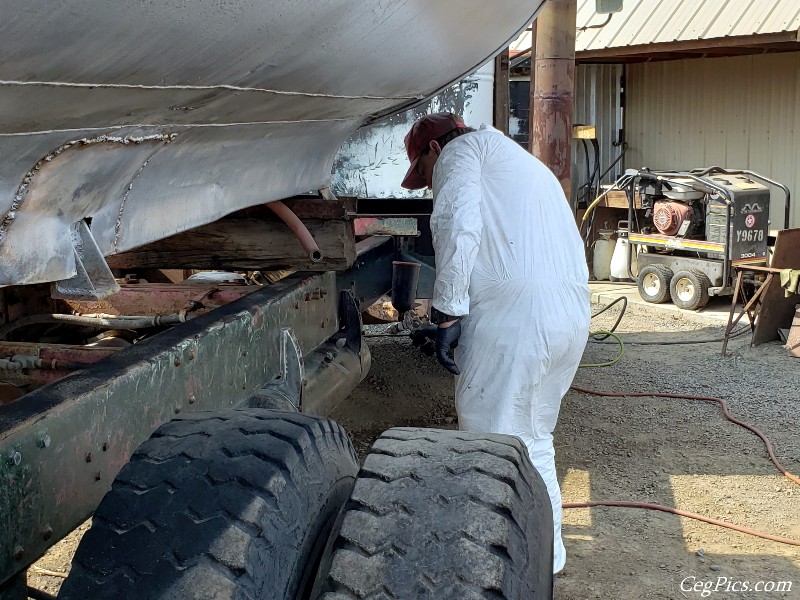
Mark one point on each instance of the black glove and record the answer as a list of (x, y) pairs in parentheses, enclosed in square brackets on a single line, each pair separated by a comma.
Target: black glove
[(432, 339), (446, 340), (425, 339)]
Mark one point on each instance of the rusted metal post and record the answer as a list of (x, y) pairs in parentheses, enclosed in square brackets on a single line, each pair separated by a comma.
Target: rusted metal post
[(553, 76), (501, 94)]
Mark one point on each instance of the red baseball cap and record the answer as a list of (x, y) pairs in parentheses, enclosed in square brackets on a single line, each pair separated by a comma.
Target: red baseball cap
[(426, 129)]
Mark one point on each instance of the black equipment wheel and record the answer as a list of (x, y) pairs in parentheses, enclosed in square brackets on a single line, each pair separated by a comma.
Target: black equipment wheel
[(689, 289), (653, 282)]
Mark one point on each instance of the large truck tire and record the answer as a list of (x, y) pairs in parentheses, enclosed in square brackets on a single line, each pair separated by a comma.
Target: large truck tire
[(443, 515), (231, 504)]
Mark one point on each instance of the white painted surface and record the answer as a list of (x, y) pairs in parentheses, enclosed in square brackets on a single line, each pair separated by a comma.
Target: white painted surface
[(373, 162)]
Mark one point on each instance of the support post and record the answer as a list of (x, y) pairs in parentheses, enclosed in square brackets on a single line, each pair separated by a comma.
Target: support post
[(501, 93), (553, 76)]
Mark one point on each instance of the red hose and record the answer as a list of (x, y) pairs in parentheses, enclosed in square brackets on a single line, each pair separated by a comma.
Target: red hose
[(683, 513), (298, 228), (725, 412), (770, 450)]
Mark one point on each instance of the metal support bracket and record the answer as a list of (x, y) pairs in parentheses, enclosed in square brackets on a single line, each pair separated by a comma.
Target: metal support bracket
[(338, 365), (285, 392), (350, 323), (93, 279), (370, 277)]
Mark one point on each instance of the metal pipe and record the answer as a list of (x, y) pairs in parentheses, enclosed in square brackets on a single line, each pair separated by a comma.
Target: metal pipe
[(762, 179), (108, 321), (298, 228), (21, 362), (332, 373), (552, 89)]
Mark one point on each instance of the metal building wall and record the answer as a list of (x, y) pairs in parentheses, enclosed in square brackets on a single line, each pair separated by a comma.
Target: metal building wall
[(738, 112), (597, 102)]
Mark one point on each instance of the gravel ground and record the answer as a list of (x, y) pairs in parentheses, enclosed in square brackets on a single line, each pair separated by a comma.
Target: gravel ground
[(676, 453)]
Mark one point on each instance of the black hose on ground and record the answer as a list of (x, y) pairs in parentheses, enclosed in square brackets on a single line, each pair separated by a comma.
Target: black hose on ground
[(624, 300)]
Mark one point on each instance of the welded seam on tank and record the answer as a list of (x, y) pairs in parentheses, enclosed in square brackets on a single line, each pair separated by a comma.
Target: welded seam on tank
[(22, 189), (232, 88), (118, 224), (173, 126)]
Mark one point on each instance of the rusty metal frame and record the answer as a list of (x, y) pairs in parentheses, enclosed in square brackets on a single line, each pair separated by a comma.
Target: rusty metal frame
[(63, 444), (370, 277), (751, 306)]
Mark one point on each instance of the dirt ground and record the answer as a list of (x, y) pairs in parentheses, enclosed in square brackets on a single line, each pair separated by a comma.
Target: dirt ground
[(677, 453)]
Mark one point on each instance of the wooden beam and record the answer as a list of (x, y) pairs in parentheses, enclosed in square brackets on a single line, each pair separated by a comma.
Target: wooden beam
[(501, 93), (249, 244), (306, 207)]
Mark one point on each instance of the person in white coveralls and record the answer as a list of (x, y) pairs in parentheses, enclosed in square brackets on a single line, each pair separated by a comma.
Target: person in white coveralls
[(511, 294)]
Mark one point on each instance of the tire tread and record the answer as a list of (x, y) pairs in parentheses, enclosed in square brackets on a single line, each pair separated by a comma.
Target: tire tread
[(236, 476), (444, 514)]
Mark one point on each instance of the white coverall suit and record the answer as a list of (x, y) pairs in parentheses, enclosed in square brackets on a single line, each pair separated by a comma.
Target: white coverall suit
[(509, 256)]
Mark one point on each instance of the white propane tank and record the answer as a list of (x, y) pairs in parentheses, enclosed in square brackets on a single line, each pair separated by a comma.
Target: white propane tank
[(603, 250), (619, 260)]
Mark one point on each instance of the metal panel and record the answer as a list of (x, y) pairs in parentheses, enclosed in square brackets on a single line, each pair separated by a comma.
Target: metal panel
[(659, 21), (373, 162), (156, 117), (370, 277), (737, 112), (597, 102), (731, 19)]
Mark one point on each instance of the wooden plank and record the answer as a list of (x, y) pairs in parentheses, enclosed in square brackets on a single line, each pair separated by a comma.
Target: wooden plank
[(619, 199), (306, 207), (245, 244), (777, 311)]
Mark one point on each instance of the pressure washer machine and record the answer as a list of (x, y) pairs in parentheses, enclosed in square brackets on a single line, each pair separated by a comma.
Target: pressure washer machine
[(697, 227)]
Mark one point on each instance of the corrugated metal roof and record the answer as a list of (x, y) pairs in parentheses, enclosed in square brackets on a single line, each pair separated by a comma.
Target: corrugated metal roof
[(643, 22)]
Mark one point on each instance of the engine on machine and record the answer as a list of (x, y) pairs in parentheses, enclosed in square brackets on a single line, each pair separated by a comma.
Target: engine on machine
[(697, 227)]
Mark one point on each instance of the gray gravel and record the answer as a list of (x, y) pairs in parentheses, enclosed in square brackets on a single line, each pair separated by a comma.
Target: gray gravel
[(681, 454)]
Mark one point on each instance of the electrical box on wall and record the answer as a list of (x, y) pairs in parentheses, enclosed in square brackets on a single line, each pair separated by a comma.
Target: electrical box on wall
[(605, 7)]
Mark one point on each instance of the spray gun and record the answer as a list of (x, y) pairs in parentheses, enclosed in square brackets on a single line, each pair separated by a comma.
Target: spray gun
[(409, 322)]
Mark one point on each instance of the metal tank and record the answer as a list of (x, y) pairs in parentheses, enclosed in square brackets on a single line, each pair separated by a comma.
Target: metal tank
[(149, 119)]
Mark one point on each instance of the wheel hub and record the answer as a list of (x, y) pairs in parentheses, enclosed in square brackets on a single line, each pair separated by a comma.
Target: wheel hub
[(685, 289), (651, 284)]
